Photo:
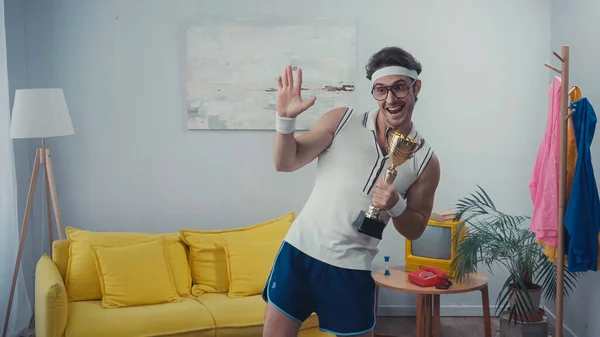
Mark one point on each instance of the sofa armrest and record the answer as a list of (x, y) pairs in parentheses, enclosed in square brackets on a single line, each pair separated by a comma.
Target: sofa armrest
[(51, 302)]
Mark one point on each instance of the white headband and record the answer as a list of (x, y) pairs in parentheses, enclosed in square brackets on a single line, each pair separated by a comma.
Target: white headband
[(393, 70)]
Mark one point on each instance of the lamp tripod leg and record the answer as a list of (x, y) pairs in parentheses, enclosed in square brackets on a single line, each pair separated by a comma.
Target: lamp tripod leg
[(48, 210), (53, 196), (30, 195)]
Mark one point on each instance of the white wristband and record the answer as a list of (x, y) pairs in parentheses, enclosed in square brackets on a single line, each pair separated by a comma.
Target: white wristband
[(398, 208), (284, 125)]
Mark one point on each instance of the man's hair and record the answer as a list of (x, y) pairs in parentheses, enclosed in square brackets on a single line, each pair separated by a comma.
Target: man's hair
[(392, 56)]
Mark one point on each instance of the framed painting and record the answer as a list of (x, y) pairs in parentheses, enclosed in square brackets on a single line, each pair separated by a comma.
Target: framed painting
[(232, 68)]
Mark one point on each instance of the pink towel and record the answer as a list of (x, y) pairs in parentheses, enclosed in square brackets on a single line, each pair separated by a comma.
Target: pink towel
[(543, 186)]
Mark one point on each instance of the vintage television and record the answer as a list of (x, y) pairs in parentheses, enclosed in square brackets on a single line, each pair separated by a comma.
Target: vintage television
[(435, 248)]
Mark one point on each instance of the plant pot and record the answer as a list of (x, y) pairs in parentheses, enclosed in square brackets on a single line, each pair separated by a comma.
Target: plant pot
[(535, 294), (537, 316)]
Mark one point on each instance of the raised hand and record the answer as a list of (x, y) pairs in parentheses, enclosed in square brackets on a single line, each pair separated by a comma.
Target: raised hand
[(289, 99)]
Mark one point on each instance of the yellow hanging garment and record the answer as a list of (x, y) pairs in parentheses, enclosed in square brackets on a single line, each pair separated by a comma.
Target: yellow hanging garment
[(574, 95)]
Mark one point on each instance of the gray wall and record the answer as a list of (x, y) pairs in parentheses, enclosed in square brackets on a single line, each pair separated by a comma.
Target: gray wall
[(15, 13), (577, 25), (133, 166)]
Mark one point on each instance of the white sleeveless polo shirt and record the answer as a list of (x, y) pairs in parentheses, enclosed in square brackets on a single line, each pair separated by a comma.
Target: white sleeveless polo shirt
[(345, 180)]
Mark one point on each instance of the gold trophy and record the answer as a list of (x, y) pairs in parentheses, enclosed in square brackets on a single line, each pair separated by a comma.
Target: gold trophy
[(400, 148)]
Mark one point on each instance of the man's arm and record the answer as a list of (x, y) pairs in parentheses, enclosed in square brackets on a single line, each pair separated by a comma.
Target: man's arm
[(419, 202), (293, 153)]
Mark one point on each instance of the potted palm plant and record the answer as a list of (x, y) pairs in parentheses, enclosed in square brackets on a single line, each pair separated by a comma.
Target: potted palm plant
[(489, 237)]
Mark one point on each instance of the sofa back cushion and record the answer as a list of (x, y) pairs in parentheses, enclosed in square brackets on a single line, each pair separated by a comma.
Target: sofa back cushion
[(82, 279), (135, 274), (208, 261), (249, 265), (60, 256)]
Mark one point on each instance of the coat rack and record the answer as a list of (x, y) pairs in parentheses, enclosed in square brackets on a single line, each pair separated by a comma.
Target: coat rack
[(564, 116)]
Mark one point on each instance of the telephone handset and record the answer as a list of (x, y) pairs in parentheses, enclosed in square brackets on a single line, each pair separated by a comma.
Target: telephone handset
[(427, 271), (430, 277)]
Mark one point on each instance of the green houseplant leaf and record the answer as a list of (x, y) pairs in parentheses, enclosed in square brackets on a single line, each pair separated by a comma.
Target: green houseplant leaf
[(488, 237)]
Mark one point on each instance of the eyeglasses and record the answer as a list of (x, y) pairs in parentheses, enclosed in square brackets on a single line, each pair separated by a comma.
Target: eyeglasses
[(399, 90)]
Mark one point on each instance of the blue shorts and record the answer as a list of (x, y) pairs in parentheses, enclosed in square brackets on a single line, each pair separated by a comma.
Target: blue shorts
[(343, 299)]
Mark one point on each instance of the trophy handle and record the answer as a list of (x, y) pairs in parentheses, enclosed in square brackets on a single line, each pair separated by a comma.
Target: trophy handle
[(421, 144)]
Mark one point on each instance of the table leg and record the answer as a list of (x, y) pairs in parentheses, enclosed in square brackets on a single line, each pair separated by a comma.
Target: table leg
[(420, 315), (485, 302), (436, 316), (428, 307)]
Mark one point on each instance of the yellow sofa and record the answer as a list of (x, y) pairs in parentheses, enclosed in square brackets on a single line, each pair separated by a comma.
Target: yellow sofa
[(191, 283)]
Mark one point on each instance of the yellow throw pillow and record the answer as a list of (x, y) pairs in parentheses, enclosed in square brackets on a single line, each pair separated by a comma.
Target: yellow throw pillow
[(249, 265), (208, 262), (135, 274), (82, 281)]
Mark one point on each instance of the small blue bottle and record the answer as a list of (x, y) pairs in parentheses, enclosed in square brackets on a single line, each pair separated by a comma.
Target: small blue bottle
[(387, 265)]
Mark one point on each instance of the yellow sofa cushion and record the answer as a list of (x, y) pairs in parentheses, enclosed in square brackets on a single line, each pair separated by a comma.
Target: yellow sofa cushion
[(83, 282), (60, 256), (208, 262), (90, 319), (249, 264), (135, 274), (237, 317)]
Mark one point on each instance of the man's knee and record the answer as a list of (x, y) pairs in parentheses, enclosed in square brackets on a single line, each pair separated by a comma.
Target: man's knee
[(278, 324)]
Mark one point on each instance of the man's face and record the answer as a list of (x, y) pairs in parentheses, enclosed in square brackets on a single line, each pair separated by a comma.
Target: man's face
[(396, 97)]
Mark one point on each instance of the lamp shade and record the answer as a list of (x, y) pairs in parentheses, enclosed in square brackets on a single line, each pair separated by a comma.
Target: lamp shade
[(40, 113)]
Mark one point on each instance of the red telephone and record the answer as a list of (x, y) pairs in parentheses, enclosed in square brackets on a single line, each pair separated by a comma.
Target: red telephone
[(430, 277)]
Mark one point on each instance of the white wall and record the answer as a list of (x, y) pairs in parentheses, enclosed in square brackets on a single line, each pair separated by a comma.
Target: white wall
[(574, 25), (132, 165)]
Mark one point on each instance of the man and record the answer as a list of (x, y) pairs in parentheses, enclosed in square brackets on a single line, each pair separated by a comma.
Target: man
[(324, 264)]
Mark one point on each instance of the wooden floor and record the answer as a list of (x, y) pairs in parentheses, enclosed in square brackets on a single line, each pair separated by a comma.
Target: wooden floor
[(449, 326)]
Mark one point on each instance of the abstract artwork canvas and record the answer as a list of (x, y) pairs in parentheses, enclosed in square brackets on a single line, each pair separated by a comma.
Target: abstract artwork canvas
[(233, 65)]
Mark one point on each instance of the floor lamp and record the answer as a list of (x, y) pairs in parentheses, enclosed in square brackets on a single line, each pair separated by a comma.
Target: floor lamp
[(38, 113)]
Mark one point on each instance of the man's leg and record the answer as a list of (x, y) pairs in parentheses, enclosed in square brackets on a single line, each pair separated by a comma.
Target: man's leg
[(277, 324), (346, 301), (366, 334), (287, 293)]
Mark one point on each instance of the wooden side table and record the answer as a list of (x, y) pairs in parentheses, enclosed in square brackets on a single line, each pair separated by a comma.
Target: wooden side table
[(428, 298)]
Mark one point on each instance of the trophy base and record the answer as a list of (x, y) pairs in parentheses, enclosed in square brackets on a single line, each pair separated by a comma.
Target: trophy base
[(371, 227)]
